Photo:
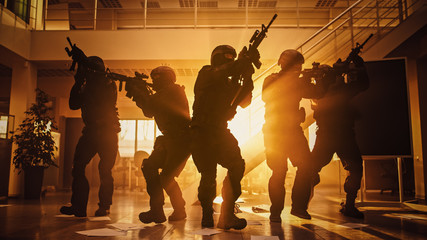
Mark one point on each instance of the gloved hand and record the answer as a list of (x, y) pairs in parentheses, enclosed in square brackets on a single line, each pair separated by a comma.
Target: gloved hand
[(340, 67), (245, 62), (358, 61), (77, 54), (254, 55)]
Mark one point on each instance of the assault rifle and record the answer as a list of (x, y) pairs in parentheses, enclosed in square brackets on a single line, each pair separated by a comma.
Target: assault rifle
[(355, 51), (342, 67), (76, 54), (321, 75), (133, 84), (80, 57), (256, 40), (314, 72), (251, 52)]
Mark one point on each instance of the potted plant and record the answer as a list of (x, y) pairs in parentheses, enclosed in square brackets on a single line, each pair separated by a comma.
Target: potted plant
[(35, 145)]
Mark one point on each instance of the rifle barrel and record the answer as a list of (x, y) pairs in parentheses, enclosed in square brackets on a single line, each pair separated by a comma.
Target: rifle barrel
[(69, 41), (367, 40), (272, 20)]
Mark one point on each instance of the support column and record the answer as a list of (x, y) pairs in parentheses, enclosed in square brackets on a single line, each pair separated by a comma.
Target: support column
[(417, 145), (22, 95), (421, 162)]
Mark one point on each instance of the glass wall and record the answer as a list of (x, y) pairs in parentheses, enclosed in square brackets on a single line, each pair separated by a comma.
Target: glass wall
[(137, 135), (21, 8), (6, 126), (146, 132)]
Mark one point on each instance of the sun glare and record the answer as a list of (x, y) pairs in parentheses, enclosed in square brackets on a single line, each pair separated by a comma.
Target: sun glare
[(248, 121)]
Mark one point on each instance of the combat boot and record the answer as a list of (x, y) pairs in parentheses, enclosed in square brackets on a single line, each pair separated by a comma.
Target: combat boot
[(157, 216), (275, 217), (227, 221), (72, 211), (177, 215), (301, 213), (101, 211), (351, 211)]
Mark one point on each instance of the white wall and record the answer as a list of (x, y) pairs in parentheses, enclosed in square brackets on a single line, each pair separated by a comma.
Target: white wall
[(13, 34), (155, 44)]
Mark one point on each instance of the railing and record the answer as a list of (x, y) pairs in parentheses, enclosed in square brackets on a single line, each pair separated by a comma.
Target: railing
[(368, 16), (354, 24), (131, 18), (335, 40), (91, 15)]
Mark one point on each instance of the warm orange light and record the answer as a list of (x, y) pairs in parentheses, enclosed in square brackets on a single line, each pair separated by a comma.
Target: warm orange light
[(248, 121), (127, 138)]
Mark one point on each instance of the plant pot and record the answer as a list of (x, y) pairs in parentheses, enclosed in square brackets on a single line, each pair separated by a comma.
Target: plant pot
[(33, 181)]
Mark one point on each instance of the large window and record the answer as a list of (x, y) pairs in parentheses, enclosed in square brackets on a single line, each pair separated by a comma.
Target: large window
[(137, 135), (146, 132), (21, 8)]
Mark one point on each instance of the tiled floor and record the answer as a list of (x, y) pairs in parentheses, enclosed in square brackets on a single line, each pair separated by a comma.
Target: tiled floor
[(24, 219)]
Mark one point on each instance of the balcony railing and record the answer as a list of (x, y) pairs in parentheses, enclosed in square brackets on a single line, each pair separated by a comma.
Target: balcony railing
[(116, 19), (92, 15)]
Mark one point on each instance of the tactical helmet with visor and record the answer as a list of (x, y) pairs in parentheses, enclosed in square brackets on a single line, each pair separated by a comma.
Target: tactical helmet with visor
[(290, 59), (222, 54), (162, 76)]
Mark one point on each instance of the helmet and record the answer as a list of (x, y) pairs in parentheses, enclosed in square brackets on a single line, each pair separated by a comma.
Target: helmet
[(96, 63), (290, 57), (162, 76), (222, 54), (325, 67)]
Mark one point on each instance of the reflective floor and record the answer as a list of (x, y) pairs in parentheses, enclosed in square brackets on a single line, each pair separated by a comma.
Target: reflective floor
[(24, 219)]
